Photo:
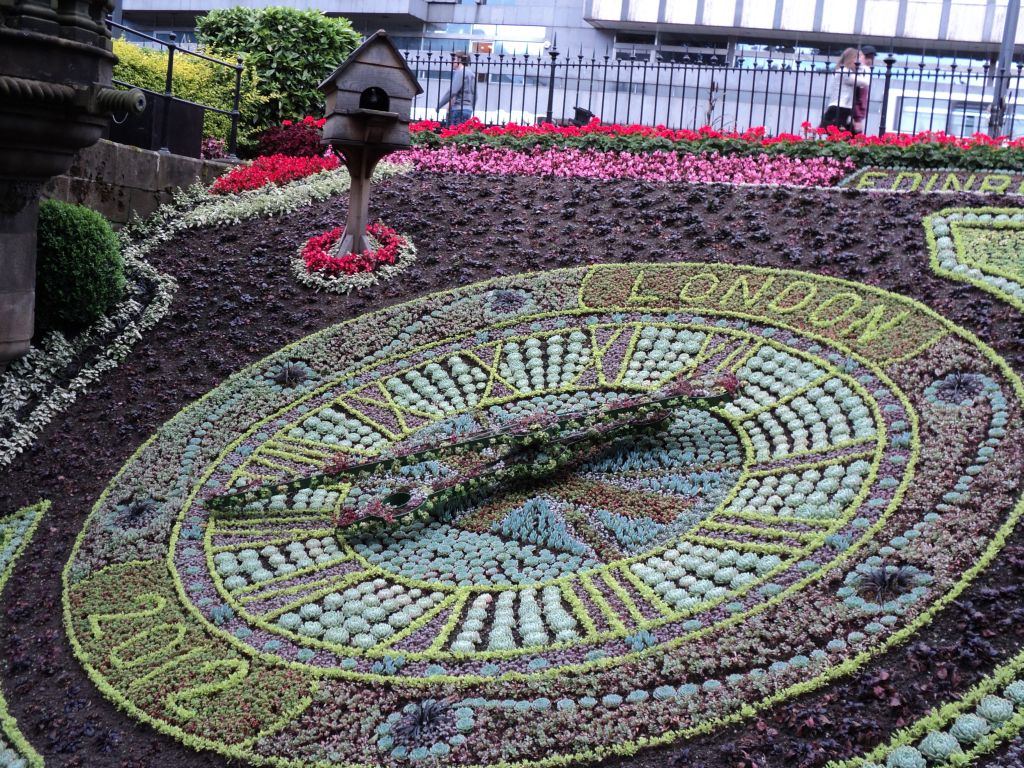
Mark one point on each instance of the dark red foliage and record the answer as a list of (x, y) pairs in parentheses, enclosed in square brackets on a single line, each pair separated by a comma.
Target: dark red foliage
[(296, 139)]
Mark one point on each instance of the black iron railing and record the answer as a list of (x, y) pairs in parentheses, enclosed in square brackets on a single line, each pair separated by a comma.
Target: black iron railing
[(778, 94), (168, 92)]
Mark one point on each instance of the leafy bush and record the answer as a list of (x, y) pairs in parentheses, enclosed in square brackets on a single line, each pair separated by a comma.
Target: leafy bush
[(293, 51), (297, 139), (195, 80), (80, 273)]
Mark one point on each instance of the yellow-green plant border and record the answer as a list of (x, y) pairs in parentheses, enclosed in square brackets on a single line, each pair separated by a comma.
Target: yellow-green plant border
[(939, 269)]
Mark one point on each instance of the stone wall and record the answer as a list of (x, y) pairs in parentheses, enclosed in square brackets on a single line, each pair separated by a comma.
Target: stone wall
[(117, 180)]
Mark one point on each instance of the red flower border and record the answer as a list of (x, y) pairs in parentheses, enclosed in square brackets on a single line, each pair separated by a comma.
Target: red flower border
[(272, 169), (756, 135), (317, 257)]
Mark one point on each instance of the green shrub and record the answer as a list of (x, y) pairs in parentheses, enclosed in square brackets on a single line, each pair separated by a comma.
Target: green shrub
[(79, 270), (292, 51), (195, 80)]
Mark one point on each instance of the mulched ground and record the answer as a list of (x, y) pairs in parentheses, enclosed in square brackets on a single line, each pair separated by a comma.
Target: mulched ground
[(238, 303)]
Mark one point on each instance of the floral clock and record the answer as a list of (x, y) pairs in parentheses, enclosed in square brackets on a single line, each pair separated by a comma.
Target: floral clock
[(665, 585)]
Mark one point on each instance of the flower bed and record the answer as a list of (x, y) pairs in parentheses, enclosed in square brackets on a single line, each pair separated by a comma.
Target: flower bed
[(55, 371), (927, 149), (657, 166), (272, 169), (317, 268), (937, 180), (660, 594), (665, 587), (820, 157), (982, 721), (295, 138)]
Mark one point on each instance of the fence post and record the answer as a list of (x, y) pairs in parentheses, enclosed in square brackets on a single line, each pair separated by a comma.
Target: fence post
[(233, 136), (553, 53), (168, 93), (889, 61), (118, 18)]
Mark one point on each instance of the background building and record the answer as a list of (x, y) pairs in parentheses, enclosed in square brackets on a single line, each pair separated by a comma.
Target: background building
[(732, 64), (669, 28)]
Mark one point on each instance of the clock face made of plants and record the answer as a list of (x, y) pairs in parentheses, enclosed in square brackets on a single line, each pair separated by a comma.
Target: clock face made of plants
[(671, 582)]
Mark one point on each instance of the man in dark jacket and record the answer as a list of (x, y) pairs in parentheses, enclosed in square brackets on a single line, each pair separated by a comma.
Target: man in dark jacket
[(460, 98)]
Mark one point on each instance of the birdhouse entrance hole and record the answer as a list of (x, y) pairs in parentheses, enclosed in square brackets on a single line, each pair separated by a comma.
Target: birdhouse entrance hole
[(375, 98)]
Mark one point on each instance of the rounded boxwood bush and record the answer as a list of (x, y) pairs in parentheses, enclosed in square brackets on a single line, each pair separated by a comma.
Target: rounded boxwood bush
[(79, 269)]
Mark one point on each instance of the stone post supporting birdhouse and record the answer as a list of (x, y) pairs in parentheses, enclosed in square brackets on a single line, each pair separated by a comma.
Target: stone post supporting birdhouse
[(369, 100)]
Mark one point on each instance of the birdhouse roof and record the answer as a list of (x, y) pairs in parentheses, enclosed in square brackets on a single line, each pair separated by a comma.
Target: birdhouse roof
[(375, 41)]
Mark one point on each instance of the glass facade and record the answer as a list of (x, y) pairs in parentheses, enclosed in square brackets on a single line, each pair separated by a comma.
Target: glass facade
[(484, 39)]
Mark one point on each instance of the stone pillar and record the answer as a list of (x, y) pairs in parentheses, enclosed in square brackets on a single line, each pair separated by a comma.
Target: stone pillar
[(55, 98), (19, 210)]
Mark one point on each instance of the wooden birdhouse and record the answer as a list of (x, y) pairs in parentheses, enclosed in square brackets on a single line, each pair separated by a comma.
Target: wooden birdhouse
[(369, 97)]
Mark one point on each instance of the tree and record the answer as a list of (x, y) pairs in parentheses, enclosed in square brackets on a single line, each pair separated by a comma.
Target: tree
[(292, 52)]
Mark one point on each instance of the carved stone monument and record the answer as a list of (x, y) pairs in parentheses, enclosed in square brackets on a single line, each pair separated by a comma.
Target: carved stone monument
[(55, 98), (369, 98)]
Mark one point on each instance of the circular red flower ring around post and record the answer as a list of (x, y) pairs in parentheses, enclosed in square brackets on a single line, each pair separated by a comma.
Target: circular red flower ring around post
[(317, 257)]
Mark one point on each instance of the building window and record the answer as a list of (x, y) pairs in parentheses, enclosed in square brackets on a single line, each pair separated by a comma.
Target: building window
[(521, 32), (516, 48), (631, 38), (405, 43), (446, 44)]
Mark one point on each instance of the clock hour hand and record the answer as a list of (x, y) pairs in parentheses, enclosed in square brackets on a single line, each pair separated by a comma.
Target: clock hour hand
[(399, 485)]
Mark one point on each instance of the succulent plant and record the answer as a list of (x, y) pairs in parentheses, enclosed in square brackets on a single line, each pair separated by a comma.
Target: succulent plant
[(883, 582), (291, 374), (938, 746), (969, 728), (422, 722), (136, 511), (905, 757), (995, 709), (1015, 692), (640, 640), (959, 387)]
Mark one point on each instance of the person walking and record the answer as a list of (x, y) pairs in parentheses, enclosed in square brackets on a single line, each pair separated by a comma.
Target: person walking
[(862, 93), (850, 73), (460, 98)]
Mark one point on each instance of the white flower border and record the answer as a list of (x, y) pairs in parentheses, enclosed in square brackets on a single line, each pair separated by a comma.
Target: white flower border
[(36, 374), (345, 284)]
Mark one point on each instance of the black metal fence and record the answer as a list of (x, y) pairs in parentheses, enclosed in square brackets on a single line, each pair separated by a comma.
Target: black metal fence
[(168, 96), (780, 95)]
